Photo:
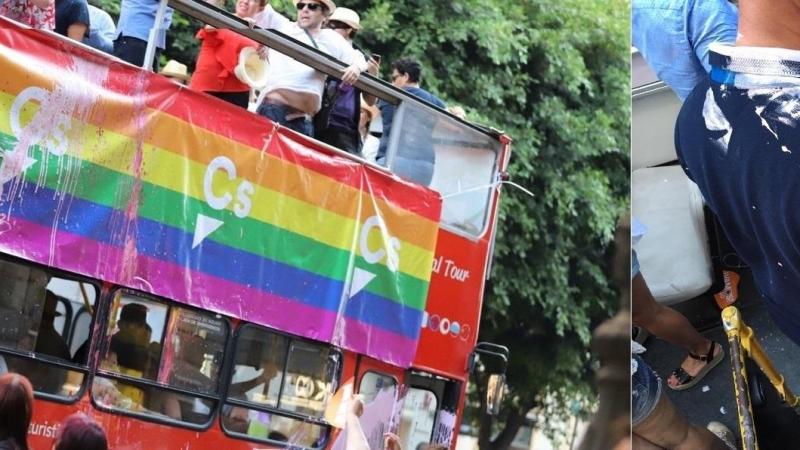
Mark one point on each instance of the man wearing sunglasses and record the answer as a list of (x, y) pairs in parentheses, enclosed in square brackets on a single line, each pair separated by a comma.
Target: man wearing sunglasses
[(293, 93)]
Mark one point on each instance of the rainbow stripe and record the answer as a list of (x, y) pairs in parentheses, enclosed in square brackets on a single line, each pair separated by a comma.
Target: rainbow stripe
[(121, 195)]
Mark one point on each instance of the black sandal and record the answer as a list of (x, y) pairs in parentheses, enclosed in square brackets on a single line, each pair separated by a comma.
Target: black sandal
[(686, 381)]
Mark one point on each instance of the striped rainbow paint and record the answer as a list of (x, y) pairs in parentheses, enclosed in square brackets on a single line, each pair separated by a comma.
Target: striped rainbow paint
[(120, 175)]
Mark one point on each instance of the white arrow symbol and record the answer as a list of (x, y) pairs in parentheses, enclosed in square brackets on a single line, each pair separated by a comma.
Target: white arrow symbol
[(203, 227), (13, 165), (361, 278)]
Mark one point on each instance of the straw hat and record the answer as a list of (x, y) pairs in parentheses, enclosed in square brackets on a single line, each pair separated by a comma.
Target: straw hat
[(176, 70), (328, 3), (252, 70), (348, 16)]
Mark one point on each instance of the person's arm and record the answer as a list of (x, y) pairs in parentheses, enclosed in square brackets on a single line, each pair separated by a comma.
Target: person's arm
[(241, 388), (391, 442), (77, 31), (269, 18), (43, 4), (708, 22), (356, 440), (354, 59), (372, 68), (79, 20)]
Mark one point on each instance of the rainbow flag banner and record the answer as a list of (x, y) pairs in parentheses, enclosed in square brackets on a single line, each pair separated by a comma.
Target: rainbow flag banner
[(122, 175)]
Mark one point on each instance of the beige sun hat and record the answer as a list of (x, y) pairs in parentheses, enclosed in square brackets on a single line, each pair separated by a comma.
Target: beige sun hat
[(328, 3), (175, 69), (348, 16), (252, 70)]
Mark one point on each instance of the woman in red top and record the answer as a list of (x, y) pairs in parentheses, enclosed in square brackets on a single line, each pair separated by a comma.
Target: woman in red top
[(219, 55), (39, 14)]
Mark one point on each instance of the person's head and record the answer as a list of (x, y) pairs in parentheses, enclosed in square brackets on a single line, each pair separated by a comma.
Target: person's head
[(16, 408), (405, 72), (344, 21), (312, 13), (80, 432), (249, 8), (50, 308), (133, 320)]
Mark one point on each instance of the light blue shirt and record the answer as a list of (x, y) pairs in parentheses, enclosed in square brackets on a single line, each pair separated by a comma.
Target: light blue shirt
[(673, 36), (136, 18), (102, 32)]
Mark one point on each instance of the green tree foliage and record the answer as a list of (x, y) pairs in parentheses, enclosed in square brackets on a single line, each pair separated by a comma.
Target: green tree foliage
[(554, 76)]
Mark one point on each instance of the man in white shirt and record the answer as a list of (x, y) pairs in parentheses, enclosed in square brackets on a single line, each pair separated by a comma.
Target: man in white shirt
[(293, 93)]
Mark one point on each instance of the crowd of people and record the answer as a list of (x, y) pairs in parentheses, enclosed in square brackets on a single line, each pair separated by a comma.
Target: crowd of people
[(78, 432), (234, 68)]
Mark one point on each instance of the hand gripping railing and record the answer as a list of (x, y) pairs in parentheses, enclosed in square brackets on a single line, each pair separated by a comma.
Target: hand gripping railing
[(743, 343)]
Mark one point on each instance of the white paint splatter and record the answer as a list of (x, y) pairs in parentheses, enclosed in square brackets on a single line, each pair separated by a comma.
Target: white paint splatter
[(716, 121)]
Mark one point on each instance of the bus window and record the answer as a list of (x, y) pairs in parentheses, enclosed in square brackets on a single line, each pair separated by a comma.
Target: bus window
[(279, 388), (374, 382), (418, 417), (458, 162), (161, 361), (36, 309)]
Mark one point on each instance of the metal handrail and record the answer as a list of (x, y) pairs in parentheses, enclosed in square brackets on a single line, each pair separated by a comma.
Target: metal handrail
[(311, 57), (743, 344)]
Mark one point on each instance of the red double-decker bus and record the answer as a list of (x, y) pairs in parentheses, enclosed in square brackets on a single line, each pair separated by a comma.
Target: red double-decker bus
[(194, 276)]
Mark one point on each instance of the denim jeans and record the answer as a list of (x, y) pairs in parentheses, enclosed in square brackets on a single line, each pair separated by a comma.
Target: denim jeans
[(277, 114), (645, 391), (133, 51), (634, 264)]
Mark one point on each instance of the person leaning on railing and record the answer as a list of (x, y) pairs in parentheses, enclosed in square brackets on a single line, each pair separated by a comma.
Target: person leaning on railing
[(417, 158), (293, 93), (219, 54), (337, 123), (136, 19)]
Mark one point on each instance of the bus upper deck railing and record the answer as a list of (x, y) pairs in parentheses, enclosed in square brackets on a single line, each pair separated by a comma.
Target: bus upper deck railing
[(310, 56)]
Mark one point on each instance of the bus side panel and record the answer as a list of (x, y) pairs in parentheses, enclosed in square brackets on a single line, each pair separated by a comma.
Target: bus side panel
[(455, 294), (454, 305)]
